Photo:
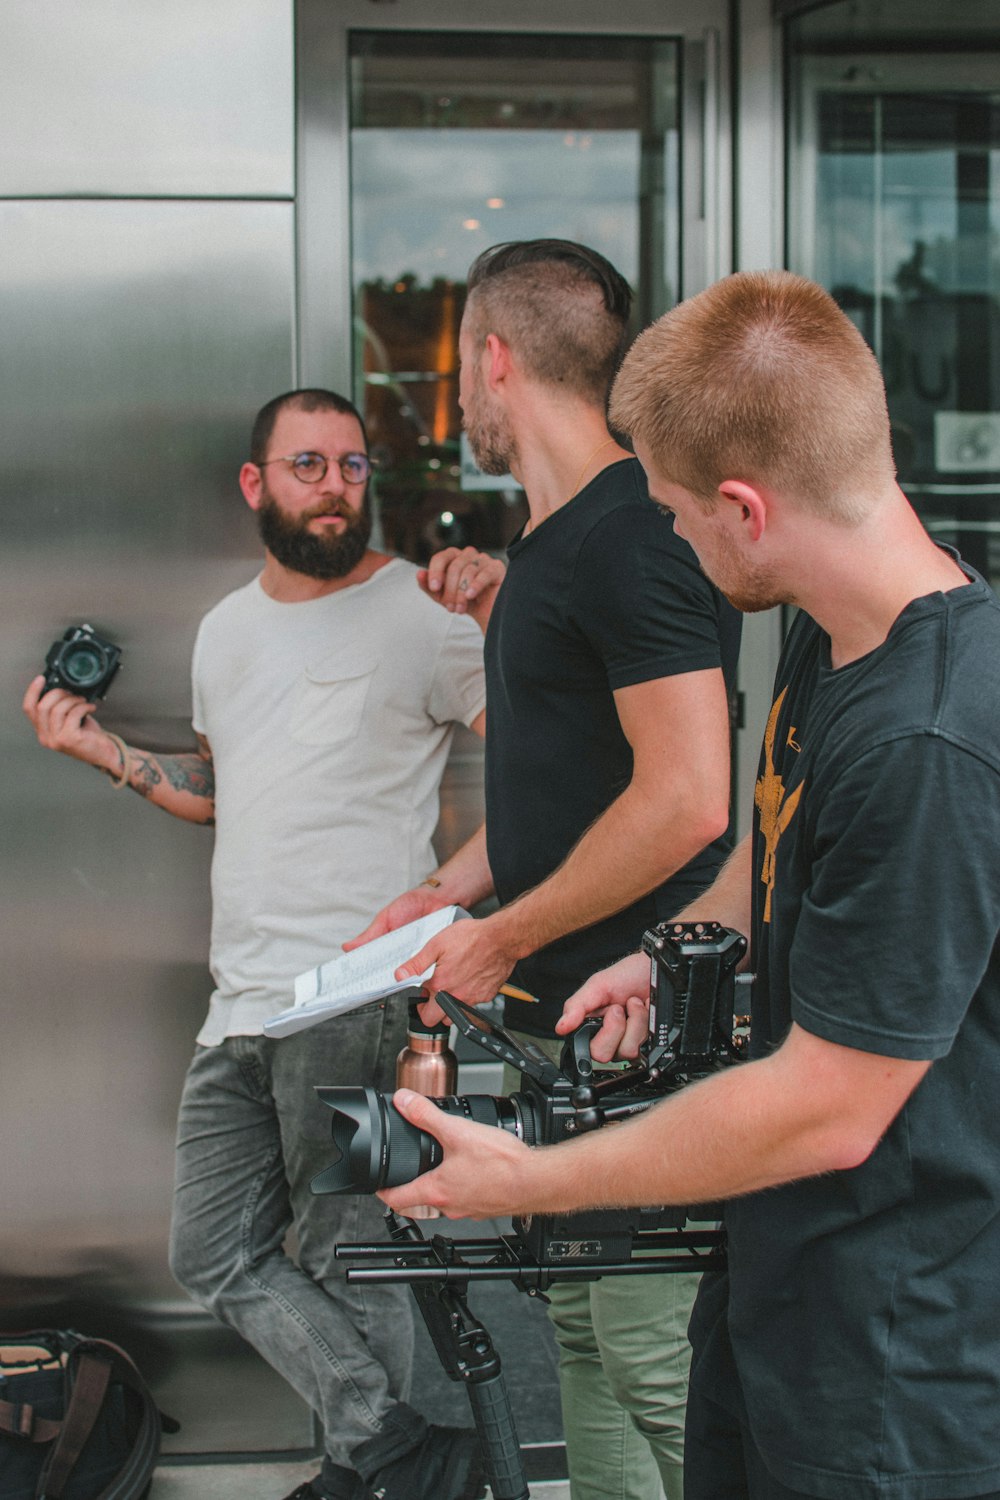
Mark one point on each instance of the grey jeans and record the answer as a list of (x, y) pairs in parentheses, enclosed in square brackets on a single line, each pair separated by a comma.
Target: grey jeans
[(251, 1136)]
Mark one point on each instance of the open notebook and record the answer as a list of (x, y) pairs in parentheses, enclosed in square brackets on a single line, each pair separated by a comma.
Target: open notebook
[(353, 979)]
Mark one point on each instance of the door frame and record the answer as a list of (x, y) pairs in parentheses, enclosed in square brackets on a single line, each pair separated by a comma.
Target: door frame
[(732, 186), (323, 188)]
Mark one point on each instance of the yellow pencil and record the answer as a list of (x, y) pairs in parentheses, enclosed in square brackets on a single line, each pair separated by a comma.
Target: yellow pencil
[(514, 993)]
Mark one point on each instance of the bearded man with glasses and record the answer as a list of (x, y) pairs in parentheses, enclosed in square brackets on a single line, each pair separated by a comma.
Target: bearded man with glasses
[(325, 696)]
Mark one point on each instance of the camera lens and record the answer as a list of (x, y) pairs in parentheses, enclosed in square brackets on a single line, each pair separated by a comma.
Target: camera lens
[(82, 665), (379, 1149)]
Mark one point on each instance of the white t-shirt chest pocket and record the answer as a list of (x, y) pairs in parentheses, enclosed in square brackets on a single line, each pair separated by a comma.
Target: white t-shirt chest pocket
[(330, 701)]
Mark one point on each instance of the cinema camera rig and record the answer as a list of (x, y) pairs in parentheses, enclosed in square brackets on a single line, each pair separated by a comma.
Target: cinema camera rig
[(693, 1031)]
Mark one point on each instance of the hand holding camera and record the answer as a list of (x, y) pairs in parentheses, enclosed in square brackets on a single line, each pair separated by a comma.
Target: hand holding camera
[(60, 703), (618, 997)]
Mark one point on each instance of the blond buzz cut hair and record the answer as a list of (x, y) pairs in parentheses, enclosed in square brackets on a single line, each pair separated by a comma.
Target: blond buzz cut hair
[(760, 378)]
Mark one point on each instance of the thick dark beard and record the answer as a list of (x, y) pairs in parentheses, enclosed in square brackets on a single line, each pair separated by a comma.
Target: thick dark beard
[(300, 550)]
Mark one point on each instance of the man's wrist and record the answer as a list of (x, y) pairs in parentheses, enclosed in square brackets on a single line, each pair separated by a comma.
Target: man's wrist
[(507, 934), (446, 888), (118, 764)]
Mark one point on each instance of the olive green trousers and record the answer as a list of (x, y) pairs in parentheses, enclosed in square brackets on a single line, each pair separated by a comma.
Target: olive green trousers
[(623, 1373)]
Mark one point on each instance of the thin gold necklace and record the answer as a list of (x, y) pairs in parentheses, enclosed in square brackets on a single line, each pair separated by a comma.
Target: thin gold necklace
[(528, 524), (590, 460)]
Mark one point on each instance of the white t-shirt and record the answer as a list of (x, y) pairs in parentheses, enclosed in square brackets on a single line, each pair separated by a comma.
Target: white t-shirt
[(329, 723)]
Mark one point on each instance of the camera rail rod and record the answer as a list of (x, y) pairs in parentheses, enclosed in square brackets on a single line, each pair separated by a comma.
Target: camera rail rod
[(448, 1263)]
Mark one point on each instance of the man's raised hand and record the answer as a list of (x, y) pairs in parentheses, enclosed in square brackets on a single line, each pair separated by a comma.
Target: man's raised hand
[(468, 962), (464, 580), (409, 907)]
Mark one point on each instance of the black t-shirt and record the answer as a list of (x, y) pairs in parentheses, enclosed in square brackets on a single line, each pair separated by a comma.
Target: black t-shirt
[(603, 595), (864, 1306)]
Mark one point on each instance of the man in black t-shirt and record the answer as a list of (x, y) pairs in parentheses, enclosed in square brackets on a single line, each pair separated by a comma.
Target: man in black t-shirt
[(610, 660), (603, 598), (850, 1351)]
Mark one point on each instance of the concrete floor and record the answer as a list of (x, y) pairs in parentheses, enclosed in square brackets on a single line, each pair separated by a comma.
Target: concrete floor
[(261, 1481)]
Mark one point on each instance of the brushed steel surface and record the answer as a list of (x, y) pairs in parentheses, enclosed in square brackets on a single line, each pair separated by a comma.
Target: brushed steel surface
[(182, 99), (140, 338)]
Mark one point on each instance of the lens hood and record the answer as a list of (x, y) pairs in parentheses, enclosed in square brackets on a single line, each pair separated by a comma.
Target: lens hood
[(377, 1147)]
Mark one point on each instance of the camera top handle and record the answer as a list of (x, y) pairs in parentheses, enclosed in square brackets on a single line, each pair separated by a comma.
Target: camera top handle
[(576, 1081)]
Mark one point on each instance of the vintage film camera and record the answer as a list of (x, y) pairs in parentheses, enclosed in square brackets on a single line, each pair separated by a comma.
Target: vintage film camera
[(693, 1031), (82, 663)]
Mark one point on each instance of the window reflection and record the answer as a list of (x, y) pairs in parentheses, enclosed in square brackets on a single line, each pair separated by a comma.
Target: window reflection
[(451, 152), (894, 205)]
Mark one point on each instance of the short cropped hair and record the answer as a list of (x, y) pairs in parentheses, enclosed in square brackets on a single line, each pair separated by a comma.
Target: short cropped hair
[(310, 398), (762, 378), (561, 307)]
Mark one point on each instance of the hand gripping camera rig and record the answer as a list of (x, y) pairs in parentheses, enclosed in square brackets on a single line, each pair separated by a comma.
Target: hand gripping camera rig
[(693, 1031)]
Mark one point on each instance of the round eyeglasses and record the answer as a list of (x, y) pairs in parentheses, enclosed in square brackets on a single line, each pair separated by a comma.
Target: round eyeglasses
[(311, 467)]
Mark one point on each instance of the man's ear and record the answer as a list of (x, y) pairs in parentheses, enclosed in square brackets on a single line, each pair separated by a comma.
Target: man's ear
[(251, 483), (749, 504), (497, 360)]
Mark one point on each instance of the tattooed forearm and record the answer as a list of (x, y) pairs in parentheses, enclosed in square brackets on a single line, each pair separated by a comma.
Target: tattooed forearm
[(144, 774), (189, 773), (181, 784)]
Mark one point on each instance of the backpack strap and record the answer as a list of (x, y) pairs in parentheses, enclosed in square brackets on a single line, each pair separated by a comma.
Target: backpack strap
[(132, 1479), (28, 1353), (18, 1418), (90, 1381), (93, 1364)]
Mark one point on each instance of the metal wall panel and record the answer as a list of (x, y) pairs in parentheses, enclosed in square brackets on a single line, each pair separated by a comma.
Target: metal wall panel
[(138, 96), (139, 337)]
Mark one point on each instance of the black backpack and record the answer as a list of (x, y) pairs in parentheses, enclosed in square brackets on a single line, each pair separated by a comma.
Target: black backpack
[(77, 1421)]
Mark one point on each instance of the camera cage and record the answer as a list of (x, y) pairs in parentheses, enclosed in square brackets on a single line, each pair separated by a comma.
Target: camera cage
[(692, 1020), (693, 1030)]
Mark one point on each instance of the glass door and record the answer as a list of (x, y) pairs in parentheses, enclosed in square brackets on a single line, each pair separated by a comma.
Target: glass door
[(452, 151), (455, 137), (894, 205)]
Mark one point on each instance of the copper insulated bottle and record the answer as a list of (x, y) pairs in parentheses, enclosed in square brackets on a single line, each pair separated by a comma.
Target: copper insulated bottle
[(427, 1065)]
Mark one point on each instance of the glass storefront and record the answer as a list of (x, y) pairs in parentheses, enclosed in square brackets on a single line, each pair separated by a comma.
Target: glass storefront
[(893, 201), (456, 146)]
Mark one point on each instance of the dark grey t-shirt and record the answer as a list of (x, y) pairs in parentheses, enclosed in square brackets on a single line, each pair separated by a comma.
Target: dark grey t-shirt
[(600, 597), (864, 1306)]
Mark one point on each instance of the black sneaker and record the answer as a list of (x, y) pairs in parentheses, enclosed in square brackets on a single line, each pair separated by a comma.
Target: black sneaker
[(445, 1465)]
